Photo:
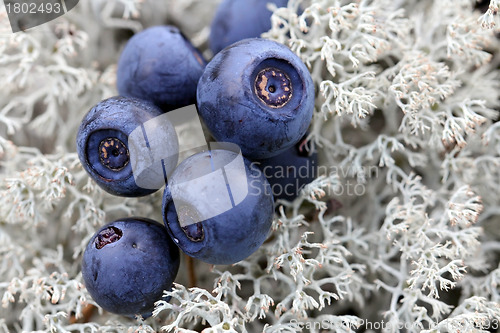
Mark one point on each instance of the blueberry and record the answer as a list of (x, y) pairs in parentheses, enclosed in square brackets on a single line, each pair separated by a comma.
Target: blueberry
[(128, 264), (105, 151), (224, 211), (160, 65), (240, 19), (257, 94), (290, 171)]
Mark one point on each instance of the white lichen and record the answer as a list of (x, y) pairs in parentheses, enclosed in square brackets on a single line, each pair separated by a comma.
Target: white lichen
[(400, 231)]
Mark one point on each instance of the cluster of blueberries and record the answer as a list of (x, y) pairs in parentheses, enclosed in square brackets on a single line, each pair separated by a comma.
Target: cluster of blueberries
[(256, 99)]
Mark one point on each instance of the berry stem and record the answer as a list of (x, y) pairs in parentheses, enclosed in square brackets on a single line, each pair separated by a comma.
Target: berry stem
[(87, 312), (191, 271)]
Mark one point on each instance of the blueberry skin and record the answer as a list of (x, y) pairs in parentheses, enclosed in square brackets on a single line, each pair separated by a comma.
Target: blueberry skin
[(228, 237), (128, 264), (257, 94), (109, 123), (240, 19), (290, 171), (160, 65)]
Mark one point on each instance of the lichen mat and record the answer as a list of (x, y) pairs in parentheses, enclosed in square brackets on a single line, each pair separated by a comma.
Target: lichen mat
[(407, 102)]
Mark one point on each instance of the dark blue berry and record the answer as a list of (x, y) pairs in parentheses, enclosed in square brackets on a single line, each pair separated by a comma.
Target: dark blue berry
[(213, 181), (160, 65), (290, 171), (257, 94), (240, 19), (104, 149), (128, 264)]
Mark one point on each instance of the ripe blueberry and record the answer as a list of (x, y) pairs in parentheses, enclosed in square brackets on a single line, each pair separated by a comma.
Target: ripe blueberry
[(290, 171), (103, 143), (236, 231), (257, 94), (160, 65), (128, 264), (240, 19)]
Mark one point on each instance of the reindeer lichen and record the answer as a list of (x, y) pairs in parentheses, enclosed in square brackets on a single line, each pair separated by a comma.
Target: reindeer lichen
[(400, 232)]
